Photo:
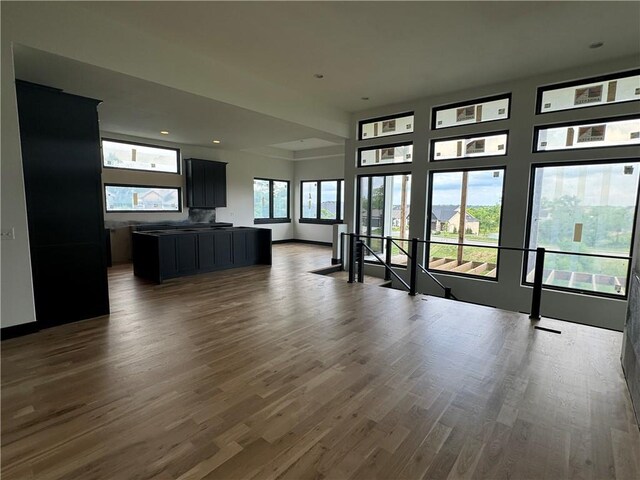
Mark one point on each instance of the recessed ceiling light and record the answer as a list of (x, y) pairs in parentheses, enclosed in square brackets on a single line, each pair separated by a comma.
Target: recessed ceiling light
[(364, 98), (596, 45), (318, 75), (216, 141), (164, 132)]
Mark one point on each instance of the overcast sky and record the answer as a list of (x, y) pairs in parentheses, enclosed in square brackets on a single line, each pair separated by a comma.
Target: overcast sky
[(592, 184), (483, 188)]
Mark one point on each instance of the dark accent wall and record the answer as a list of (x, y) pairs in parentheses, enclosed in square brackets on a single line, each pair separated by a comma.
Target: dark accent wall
[(62, 173)]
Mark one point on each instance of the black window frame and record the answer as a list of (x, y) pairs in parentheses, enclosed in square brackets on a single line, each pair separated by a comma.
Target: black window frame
[(135, 185), (573, 123), (318, 219), (468, 103), (380, 147), (383, 118), (574, 83), (532, 182), (358, 206), (271, 218), (127, 142), (433, 141), (427, 250)]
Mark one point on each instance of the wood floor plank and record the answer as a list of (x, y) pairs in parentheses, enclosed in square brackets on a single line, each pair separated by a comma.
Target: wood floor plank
[(274, 372)]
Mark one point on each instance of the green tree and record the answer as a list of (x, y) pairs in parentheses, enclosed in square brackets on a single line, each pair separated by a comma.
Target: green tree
[(488, 216)]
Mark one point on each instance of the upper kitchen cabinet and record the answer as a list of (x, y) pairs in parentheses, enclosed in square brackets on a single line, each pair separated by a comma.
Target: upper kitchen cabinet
[(206, 183)]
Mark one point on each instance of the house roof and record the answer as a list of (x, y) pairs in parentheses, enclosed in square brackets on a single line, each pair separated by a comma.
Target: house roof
[(444, 213)]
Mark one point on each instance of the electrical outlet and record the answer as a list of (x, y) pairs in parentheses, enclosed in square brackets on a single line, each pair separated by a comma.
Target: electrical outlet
[(8, 234)]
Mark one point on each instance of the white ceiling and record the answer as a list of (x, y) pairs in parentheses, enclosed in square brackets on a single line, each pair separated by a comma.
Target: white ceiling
[(389, 51), (140, 108), (304, 144)]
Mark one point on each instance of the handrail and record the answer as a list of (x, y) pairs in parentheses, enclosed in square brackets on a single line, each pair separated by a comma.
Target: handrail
[(496, 247), (519, 249), (393, 240), (356, 251), (447, 290), (388, 267)]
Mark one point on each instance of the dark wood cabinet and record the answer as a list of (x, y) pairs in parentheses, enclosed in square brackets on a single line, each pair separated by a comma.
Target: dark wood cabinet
[(62, 173), (206, 183), (187, 253), (164, 254)]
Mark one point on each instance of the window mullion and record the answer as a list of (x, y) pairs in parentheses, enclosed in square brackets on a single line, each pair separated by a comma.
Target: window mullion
[(271, 199), (319, 200)]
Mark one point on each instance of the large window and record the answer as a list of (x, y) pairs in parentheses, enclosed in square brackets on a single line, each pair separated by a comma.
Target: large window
[(584, 209), (136, 156), (464, 113), (384, 209), (270, 201), (386, 126), (593, 134), (471, 146), (321, 201), (134, 198), (466, 207), (621, 87)]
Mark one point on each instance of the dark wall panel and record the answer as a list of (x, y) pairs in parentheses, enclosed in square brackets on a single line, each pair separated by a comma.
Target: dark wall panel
[(62, 167)]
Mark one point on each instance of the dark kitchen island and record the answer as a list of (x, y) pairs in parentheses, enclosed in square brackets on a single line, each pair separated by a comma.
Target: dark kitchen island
[(162, 254)]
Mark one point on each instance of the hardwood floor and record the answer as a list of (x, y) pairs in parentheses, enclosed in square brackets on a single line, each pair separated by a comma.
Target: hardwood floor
[(278, 373)]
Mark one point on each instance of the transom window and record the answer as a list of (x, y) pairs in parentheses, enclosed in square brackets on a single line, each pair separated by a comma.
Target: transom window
[(592, 134), (386, 154), (478, 111), (469, 147), (270, 201), (322, 201), (621, 87), (137, 156), (386, 126)]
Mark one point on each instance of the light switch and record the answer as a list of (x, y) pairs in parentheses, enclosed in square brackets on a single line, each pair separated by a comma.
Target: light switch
[(9, 234)]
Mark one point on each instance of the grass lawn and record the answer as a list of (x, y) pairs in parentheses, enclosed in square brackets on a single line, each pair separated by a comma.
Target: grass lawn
[(469, 254)]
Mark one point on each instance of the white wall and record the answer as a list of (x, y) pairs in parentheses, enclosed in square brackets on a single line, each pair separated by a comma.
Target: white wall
[(317, 169), (507, 292), (16, 285)]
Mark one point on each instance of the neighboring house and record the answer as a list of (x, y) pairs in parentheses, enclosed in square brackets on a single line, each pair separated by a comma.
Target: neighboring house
[(376, 217), (446, 218), (395, 220), (151, 200)]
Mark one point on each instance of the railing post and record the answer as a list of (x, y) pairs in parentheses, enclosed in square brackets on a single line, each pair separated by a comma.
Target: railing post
[(342, 234), (352, 257), (537, 284), (447, 292), (387, 273), (360, 254), (414, 267)]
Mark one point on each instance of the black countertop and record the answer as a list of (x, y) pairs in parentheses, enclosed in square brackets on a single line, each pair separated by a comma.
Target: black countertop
[(142, 227), (183, 231)]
